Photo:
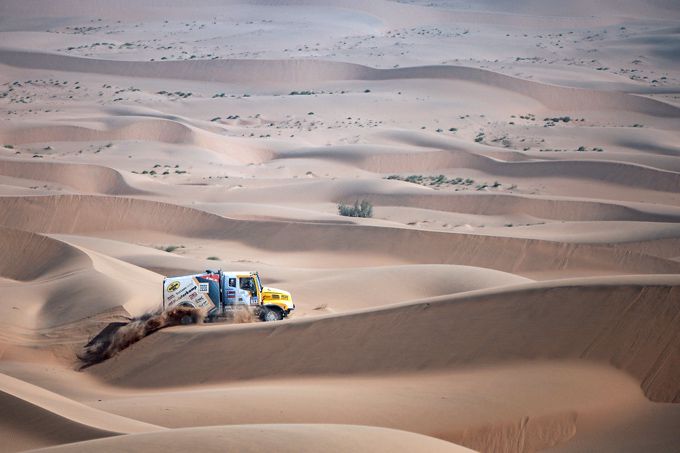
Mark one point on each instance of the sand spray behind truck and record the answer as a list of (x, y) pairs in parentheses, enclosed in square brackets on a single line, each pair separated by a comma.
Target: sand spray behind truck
[(237, 297), (117, 336)]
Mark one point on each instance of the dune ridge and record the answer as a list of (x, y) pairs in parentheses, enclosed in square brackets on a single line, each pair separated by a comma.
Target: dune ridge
[(159, 130), (67, 214), (289, 72), (280, 437), (598, 170), (29, 256), (85, 178), (566, 209)]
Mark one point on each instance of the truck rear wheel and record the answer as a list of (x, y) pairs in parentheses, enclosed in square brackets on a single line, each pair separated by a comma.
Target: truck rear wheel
[(271, 314)]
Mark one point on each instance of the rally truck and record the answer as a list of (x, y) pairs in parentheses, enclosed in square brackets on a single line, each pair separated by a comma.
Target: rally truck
[(218, 294)]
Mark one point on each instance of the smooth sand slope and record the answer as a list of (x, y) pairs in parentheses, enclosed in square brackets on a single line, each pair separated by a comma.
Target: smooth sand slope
[(280, 437), (34, 417), (516, 289)]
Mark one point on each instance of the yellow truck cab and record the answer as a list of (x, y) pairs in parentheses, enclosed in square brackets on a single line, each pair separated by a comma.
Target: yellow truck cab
[(219, 293)]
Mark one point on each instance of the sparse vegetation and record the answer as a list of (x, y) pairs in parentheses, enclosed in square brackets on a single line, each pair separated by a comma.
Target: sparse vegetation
[(359, 209), (170, 248), (213, 258), (438, 180)]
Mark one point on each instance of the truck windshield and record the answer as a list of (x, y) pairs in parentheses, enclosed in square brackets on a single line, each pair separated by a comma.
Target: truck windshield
[(259, 283)]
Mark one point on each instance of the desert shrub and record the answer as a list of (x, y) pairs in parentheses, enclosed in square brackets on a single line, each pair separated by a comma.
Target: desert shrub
[(438, 180), (363, 209), (213, 258), (170, 248)]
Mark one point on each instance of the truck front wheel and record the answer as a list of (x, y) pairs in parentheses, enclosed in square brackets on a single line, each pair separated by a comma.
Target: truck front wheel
[(271, 314)]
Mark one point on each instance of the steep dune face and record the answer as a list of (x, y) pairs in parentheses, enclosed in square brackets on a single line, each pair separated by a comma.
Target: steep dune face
[(90, 215), (628, 323), (51, 283), (28, 256)]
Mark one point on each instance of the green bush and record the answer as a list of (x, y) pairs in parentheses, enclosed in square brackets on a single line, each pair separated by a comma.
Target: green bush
[(363, 209)]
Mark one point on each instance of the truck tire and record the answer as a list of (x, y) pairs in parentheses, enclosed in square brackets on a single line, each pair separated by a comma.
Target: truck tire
[(186, 320), (271, 314)]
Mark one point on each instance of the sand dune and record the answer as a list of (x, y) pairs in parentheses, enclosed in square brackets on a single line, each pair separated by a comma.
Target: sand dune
[(290, 72), (530, 305), (612, 172), (284, 438), (574, 319), (83, 178), (33, 417), (64, 214), (126, 128), (58, 284), (537, 405), (29, 256), (351, 289), (565, 209), (151, 130)]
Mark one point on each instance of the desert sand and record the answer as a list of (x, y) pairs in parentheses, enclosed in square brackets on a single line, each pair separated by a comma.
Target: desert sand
[(517, 288)]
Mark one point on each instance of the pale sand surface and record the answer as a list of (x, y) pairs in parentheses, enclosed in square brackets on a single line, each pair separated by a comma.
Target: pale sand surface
[(531, 304)]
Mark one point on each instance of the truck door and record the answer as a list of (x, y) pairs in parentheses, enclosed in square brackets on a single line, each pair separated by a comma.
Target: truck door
[(248, 293), (230, 289)]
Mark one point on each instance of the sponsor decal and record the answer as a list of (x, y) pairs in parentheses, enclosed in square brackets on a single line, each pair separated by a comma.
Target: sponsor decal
[(193, 291), (174, 286)]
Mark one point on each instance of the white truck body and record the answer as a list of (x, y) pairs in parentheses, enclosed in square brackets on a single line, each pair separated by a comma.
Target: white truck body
[(218, 292)]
